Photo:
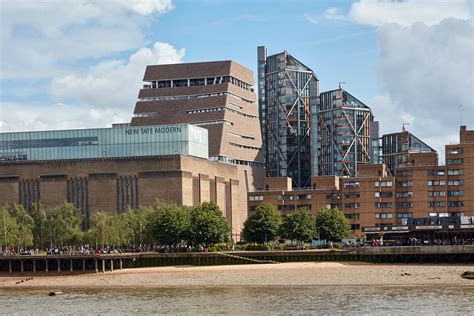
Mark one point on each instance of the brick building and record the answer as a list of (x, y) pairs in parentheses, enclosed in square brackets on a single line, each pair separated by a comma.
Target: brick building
[(111, 169), (218, 96), (375, 200)]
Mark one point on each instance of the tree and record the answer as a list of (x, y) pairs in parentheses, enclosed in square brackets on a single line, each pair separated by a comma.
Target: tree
[(332, 224), (63, 224), (263, 225), (299, 226), (8, 228), (40, 231), (135, 226), (208, 224), (104, 230), (170, 224), (24, 223)]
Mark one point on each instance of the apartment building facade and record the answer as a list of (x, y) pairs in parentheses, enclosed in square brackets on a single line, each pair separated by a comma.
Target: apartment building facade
[(287, 88), (344, 132), (376, 200)]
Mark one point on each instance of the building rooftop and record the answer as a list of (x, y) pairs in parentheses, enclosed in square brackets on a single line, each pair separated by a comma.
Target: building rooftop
[(199, 70)]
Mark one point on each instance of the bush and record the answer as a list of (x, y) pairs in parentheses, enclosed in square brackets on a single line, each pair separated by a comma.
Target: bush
[(240, 247), (222, 246), (256, 247)]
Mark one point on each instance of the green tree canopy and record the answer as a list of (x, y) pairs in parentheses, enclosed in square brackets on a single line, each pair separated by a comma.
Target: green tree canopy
[(299, 226), (8, 228), (40, 231), (135, 226), (332, 224), (63, 225), (263, 225), (105, 230), (170, 224), (208, 224), (24, 223)]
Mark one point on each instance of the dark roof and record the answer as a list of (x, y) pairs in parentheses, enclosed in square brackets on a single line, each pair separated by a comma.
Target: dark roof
[(199, 70)]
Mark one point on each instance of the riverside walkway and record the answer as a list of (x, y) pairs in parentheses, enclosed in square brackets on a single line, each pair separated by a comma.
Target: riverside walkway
[(108, 262)]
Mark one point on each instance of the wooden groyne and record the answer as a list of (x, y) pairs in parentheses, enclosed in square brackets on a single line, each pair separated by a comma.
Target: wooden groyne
[(110, 262)]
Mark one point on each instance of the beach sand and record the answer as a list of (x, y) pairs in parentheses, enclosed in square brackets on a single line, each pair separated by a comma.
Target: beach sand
[(283, 274)]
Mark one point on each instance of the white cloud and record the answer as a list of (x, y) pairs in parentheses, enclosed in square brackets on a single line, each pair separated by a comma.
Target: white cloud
[(34, 116), (113, 83), (430, 12), (147, 6), (331, 13), (102, 95), (39, 37), (334, 14), (312, 18), (428, 72)]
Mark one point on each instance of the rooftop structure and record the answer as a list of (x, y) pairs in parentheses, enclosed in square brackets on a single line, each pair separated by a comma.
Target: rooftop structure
[(215, 95), (396, 148)]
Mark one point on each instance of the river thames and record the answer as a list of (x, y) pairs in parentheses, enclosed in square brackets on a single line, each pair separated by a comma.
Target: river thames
[(235, 300)]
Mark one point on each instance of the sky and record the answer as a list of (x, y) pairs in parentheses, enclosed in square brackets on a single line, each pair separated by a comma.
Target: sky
[(80, 63)]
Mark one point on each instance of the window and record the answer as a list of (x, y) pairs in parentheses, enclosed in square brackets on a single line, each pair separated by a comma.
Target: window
[(286, 207), (180, 83), (352, 195), (436, 193), (436, 172), (383, 215), (383, 194), (383, 184), (404, 205), (404, 194), (405, 215), (355, 226), (352, 215), (403, 173), (455, 151), (285, 198), (350, 185), (455, 193), (456, 204), (436, 204), (352, 205), (303, 197), (384, 205), (458, 161), (197, 82), (436, 182), (334, 196), (455, 172), (255, 197), (455, 182), (404, 184)]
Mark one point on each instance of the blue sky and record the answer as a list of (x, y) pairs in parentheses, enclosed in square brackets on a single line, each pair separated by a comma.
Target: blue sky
[(73, 64)]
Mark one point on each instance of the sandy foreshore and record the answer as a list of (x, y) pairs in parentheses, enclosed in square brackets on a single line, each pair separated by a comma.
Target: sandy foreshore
[(284, 274)]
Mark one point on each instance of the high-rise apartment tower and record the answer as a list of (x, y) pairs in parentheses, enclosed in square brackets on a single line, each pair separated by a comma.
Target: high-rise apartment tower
[(286, 87), (342, 134)]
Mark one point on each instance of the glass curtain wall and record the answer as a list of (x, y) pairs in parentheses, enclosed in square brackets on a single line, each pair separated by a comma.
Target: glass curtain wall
[(113, 142), (285, 117)]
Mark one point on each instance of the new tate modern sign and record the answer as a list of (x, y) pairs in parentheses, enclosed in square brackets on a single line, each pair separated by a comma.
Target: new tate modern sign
[(153, 130)]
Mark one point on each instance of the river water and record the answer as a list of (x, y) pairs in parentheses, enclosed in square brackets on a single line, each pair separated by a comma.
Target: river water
[(269, 300)]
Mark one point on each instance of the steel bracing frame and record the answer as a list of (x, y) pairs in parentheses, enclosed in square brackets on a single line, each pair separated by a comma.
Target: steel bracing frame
[(332, 148), (284, 124)]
